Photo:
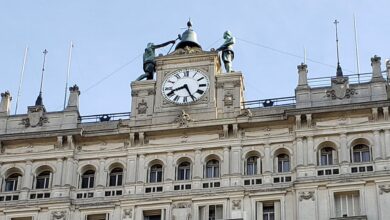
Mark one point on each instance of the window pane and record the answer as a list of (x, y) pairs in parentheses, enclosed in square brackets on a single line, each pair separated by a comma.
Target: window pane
[(188, 174), (40, 183), (120, 177), (159, 176), (91, 181), (112, 180), (84, 182), (366, 156), (216, 172), (9, 185), (356, 157)]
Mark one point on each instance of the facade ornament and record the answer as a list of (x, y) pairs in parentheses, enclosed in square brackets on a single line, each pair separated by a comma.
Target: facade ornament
[(187, 50), (134, 93), (36, 117), (151, 92), (246, 113), (306, 195), (74, 88), (227, 51), (142, 107), (183, 119), (340, 89), (149, 59), (384, 189), (228, 100), (58, 215), (128, 213), (236, 204)]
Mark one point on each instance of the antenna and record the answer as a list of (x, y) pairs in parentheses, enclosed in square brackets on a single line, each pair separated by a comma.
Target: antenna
[(339, 70), (21, 78), (304, 55), (356, 49), (39, 100), (68, 71)]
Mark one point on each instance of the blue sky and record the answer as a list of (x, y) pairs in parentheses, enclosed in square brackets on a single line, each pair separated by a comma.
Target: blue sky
[(109, 34)]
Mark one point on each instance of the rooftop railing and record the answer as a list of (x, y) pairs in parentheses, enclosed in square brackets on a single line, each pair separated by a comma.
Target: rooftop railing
[(264, 103), (104, 117), (353, 79)]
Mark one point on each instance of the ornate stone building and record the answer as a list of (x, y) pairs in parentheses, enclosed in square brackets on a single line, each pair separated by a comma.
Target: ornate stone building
[(194, 149)]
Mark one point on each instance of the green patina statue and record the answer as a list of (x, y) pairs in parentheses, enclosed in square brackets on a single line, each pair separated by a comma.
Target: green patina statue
[(150, 60), (227, 50)]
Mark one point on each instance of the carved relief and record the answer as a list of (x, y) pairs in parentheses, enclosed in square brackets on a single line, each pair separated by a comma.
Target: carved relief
[(384, 189), (236, 204), (128, 213), (228, 99), (306, 195), (186, 50), (246, 113), (134, 93), (340, 89), (142, 107), (36, 117), (183, 119), (58, 215)]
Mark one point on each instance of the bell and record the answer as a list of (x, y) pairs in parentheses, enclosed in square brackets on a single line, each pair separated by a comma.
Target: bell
[(188, 38)]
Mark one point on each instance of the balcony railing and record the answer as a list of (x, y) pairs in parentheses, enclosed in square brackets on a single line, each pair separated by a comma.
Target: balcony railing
[(266, 103), (104, 117), (353, 79)]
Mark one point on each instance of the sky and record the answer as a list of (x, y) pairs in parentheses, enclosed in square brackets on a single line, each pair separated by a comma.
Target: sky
[(109, 38)]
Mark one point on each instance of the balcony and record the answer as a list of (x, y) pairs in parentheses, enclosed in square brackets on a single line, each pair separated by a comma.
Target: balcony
[(39, 194), (9, 196), (182, 185), (328, 170), (282, 178), (252, 180), (211, 183)]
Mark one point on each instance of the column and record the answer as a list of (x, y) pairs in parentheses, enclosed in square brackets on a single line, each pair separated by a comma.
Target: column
[(387, 143), (197, 168), (377, 146), (267, 167), (310, 151), (27, 184), (141, 170), (344, 148), (259, 212), (226, 161), (235, 155), (102, 173), (169, 170), (299, 152), (69, 172), (131, 168), (57, 181)]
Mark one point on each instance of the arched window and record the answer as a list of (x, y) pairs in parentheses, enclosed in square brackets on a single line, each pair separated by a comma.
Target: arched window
[(43, 180), (11, 182), (361, 153), (116, 177), (88, 179), (252, 165), (283, 163), (327, 156), (156, 173), (212, 169), (184, 171)]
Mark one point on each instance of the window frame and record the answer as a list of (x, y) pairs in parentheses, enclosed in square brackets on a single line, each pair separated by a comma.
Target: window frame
[(214, 169)]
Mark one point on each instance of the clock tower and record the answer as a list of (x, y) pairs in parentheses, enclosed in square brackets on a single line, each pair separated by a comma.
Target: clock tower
[(189, 87)]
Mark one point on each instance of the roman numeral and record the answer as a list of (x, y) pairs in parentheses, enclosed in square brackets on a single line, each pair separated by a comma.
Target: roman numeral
[(168, 88), (194, 74), (200, 78), (170, 94), (185, 99), (199, 91), (171, 81), (186, 73), (177, 76), (176, 98), (202, 85)]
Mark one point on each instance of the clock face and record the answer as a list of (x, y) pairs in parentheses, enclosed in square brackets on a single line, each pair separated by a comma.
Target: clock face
[(185, 86)]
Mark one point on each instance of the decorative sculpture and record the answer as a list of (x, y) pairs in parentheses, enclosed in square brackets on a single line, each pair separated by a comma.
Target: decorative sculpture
[(149, 60), (227, 50)]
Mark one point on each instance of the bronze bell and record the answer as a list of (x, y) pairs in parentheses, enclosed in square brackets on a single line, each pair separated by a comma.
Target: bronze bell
[(188, 38)]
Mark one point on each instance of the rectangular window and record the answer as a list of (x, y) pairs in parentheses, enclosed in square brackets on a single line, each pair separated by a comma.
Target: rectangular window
[(10, 185), (211, 212), (104, 216), (152, 214), (269, 212), (347, 204)]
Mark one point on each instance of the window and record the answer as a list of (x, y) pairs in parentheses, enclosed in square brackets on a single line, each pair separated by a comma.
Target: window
[(347, 204), (156, 174), (152, 214), (43, 180), (116, 177), (268, 212), (211, 212), (11, 183), (251, 165), (22, 218), (184, 171), (361, 153), (283, 163), (212, 169), (88, 179), (327, 156), (105, 216)]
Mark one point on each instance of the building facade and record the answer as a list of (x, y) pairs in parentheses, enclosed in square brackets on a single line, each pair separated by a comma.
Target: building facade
[(203, 153)]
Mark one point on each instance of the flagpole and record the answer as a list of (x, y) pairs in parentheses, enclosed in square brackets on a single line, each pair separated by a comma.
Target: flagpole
[(356, 49), (68, 72), (21, 78)]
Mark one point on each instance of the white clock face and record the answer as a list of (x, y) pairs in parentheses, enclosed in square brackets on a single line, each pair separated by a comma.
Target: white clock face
[(185, 86)]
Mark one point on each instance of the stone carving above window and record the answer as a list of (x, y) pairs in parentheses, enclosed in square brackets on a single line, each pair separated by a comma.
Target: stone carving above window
[(384, 189), (236, 204), (58, 215), (306, 195), (128, 213)]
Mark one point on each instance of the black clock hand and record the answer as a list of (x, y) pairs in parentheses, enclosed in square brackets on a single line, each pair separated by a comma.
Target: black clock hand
[(178, 88), (189, 93)]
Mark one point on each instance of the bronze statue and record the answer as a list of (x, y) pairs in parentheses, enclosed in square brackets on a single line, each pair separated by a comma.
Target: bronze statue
[(149, 60), (227, 50)]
